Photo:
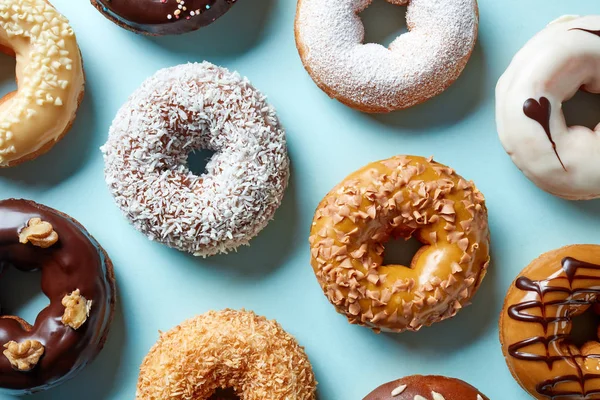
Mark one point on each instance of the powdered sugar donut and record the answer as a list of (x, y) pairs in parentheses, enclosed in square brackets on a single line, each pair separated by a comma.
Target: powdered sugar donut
[(549, 70), (176, 111), (418, 65)]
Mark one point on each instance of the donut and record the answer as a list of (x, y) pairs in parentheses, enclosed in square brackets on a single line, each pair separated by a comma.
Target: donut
[(226, 349), (403, 196), (419, 387), (369, 77), (173, 113), (537, 319), (547, 71), (163, 17), (50, 79), (77, 278)]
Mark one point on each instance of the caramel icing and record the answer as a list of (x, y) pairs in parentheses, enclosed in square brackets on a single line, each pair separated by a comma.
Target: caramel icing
[(537, 320), (49, 76), (399, 197)]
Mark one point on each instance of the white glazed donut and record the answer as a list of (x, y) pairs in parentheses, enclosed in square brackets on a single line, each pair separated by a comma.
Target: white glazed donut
[(549, 70), (418, 65), (176, 111)]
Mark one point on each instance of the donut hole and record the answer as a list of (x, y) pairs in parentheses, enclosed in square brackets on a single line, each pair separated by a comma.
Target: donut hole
[(401, 251), (224, 394), (21, 294), (8, 67), (198, 160), (582, 110), (383, 22), (584, 327)]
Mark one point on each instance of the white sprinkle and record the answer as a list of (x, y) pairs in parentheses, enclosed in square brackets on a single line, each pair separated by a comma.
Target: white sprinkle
[(479, 397), (398, 390), (437, 396)]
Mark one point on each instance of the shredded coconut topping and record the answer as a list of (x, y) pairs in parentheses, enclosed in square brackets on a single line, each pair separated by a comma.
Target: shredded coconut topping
[(418, 65), (226, 349), (177, 111)]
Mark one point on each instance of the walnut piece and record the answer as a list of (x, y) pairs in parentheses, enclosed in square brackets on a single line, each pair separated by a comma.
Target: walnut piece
[(38, 233), (77, 309), (23, 356)]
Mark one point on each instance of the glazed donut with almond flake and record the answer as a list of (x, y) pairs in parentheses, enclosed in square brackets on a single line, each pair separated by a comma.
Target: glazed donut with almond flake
[(403, 196), (419, 387), (50, 79), (229, 349), (175, 112)]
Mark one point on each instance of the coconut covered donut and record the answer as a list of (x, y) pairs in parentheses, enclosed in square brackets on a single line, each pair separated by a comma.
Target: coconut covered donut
[(418, 65), (231, 350), (400, 197), (177, 111), (537, 320), (549, 70), (49, 75)]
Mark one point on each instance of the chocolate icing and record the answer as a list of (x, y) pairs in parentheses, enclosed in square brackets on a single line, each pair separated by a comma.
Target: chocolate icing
[(76, 261), (541, 112), (417, 385), (163, 17), (573, 298)]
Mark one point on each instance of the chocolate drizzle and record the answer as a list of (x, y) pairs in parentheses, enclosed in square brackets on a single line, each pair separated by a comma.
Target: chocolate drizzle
[(164, 16), (540, 112), (76, 261), (597, 33), (571, 300)]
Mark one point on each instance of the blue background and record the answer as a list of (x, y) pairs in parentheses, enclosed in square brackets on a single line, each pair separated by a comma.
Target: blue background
[(160, 287)]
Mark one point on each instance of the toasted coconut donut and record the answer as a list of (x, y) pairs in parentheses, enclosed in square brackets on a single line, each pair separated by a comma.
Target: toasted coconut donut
[(50, 79), (417, 65), (537, 319), (226, 349), (177, 111), (400, 197), (419, 387)]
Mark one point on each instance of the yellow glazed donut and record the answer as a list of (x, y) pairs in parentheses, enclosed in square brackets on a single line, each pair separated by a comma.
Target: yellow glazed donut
[(401, 197), (49, 75)]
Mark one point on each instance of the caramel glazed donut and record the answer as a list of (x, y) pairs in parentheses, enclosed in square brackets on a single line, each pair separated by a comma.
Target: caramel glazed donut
[(77, 278), (537, 320), (417, 65), (226, 349), (550, 69), (400, 197), (163, 17), (418, 387), (49, 75), (173, 113)]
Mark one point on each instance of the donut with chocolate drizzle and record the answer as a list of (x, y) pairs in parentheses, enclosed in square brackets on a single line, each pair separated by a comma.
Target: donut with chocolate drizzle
[(77, 278), (549, 70), (537, 320), (163, 17)]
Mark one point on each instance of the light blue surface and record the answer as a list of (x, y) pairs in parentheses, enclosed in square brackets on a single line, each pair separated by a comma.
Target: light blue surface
[(160, 287)]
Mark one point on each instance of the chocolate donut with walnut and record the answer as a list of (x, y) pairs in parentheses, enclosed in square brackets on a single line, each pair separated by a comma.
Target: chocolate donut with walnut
[(401, 197)]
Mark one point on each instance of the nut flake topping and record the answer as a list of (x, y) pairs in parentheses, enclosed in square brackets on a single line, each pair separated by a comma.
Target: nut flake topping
[(39, 233), (23, 356), (77, 309)]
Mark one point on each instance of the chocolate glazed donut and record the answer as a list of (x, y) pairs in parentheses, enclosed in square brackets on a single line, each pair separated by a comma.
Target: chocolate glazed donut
[(163, 17), (77, 278)]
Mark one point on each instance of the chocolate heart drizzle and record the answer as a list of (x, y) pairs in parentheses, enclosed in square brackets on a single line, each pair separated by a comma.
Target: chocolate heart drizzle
[(541, 112), (571, 298), (597, 33)]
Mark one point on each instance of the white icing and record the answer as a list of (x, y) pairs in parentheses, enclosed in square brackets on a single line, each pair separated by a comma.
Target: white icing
[(553, 64), (418, 65), (178, 110)]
